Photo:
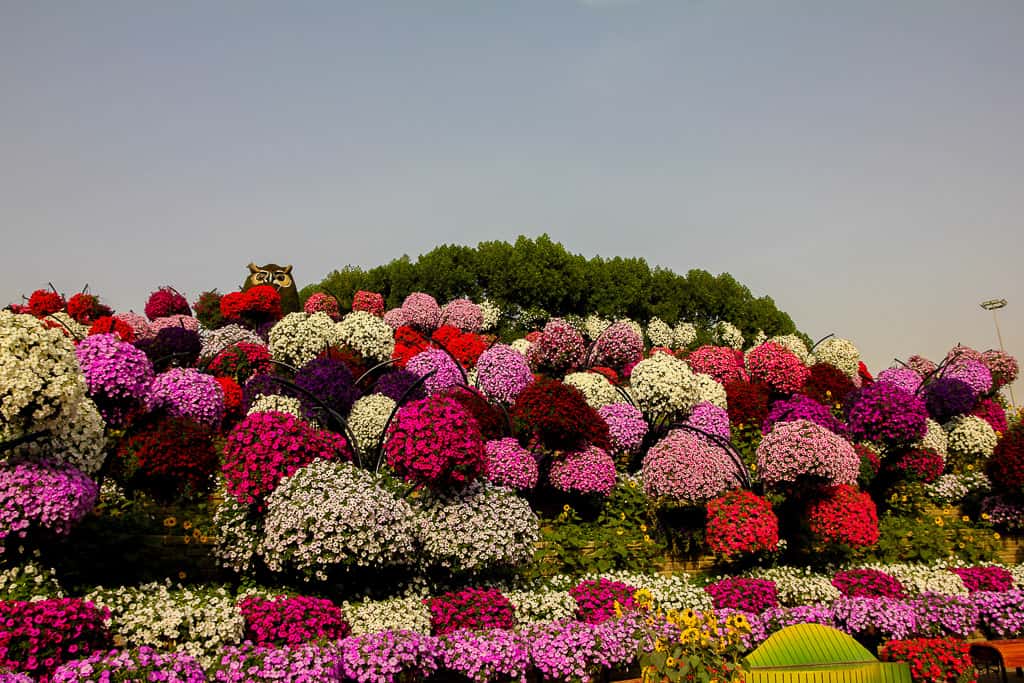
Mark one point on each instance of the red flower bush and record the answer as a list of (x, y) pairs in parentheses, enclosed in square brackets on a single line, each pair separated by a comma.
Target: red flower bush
[(993, 413), (319, 302), (844, 516), (437, 443), (408, 343), (466, 347), (919, 464), (741, 523), (233, 398), (264, 448), (867, 583), (558, 416), (168, 457), (1006, 466), (595, 599), (747, 403), (827, 384), (371, 302), (108, 324), (470, 608), (45, 302), (37, 637), (721, 362), (932, 660), (164, 302), (292, 620), (778, 367), (749, 595), (241, 361), (492, 422), (86, 308), (253, 307)]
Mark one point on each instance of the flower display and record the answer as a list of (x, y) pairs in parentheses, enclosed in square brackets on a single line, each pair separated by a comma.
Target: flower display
[(558, 349), (664, 386), (795, 345), (396, 383), (144, 663), (117, 374), (386, 657), (369, 302), (739, 523), (558, 416), (285, 620), (502, 373), (626, 426), (934, 439), (797, 586), (207, 310), (186, 392), (727, 334), (446, 372), (723, 363), (138, 323), (263, 448), (332, 514), (710, 418), (465, 347), (39, 636), (463, 314), (40, 381), (660, 333), (596, 599), (248, 663), (1006, 466), (947, 397), (299, 337), (993, 413), (44, 302), (869, 583), (919, 464), (253, 307), (42, 495), (421, 311), (839, 353), (486, 655), (886, 414), (969, 438), (800, 407), (828, 384), (395, 318), (845, 516), (587, 471), (595, 388), (992, 579), (1002, 366), (777, 366), (435, 442), (275, 403), (171, 346), (802, 449), (79, 440), (367, 334), (905, 378), (332, 385), (972, 372), (166, 301), (921, 365), (889, 618), (749, 595), (214, 342), (618, 346), (469, 608), (685, 335), (109, 324), (367, 419), (321, 302), (241, 362), (185, 322), (169, 456), (747, 402), (685, 466), (932, 660), (408, 342), (510, 465)]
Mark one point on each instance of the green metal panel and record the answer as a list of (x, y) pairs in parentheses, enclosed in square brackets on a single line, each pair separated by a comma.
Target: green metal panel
[(809, 644), (858, 673)]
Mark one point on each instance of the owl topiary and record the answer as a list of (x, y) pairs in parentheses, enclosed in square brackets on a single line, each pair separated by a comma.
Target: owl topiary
[(280, 277)]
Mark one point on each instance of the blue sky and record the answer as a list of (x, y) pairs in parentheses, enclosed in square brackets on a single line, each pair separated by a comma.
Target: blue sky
[(861, 162)]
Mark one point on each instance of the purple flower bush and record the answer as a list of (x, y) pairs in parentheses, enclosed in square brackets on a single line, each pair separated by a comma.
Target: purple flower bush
[(42, 495), (387, 657), (626, 426), (249, 663), (941, 615), (618, 347), (947, 397), (572, 651), (463, 314), (801, 407), (446, 371), (511, 465), (1001, 613), (889, 617), (394, 384), (117, 374), (503, 373), (887, 414), (973, 373), (710, 418), (287, 620), (748, 595), (143, 664), (186, 392), (685, 466), (588, 471), (486, 655), (802, 449), (331, 382)]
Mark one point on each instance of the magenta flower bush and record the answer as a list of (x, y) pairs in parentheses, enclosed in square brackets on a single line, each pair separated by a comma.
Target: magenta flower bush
[(870, 583), (626, 426), (511, 465), (502, 373), (710, 418), (39, 636), (800, 407), (589, 471), (186, 392), (887, 414), (437, 443), (685, 466), (263, 448), (801, 449), (470, 608), (596, 598), (558, 349), (291, 620), (618, 347), (117, 374), (40, 495), (421, 311), (463, 314), (905, 378), (447, 373), (748, 595), (778, 367), (991, 579), (143, 664), (573, 651)]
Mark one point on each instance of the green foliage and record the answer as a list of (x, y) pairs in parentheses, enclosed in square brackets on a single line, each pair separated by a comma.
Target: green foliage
[(540, 275), (931, 536)]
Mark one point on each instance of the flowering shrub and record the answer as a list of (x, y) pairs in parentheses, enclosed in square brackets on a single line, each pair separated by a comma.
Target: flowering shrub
[(207, 309), (902, 377), (248, 663), (117, 374), (947, 397), (747, 403), (367, 334), (299, 337), (972, 372), (626, 426), (595, 387), (596, 599), (386, 657), (839, 353), (502, 373), (394, 384), (993, 413), (369, 302), (685, 466), (618, 347), (44, 302), (470, 608), (919, 464), (144, 663), (969, 438), (1002, 366), (885, 617), (39, 636), (511, 465), (478, 528), (320, 302), (265, 447), (168, 457), (739, 522), (108, 324), (462, 314), (421, 311), (777, 366), (435, 442), (932, 660), (446, 372), (188, 393), (558, 416), (1006, 466), (241, 361), (588, 471), (1001, 613), (166, 301), (333, 514), (408, 342), (488, 655), (367, 419), (727, 334), (870, 583), (659, 333), (216, 341), (171, 346), (801, 449), (800, 407), (331, 383), (138, 323), (844, 516), (993, 579), (885, 413), (664, 386), (39, 495), (558, 349), (722, 363), (287, 620), (749, 595), (466, 347), (253, 307)]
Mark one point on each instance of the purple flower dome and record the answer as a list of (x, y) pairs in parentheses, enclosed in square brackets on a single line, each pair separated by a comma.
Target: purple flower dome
[(448, 373), (906, 379), (801, 407), (626, 426), (887, 414), (947, 397), (973, 373), (330, 381), (186, 392), (710, 418), (395, 383), (502, 373)]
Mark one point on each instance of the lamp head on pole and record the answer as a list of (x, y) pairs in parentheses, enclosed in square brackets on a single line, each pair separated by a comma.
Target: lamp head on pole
[(993, 304)]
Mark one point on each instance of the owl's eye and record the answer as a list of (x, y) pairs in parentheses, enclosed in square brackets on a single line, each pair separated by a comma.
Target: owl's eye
[(280, 276), (262, 276)]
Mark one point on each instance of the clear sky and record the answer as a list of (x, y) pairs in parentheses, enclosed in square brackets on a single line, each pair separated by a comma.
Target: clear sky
[(861, 162)]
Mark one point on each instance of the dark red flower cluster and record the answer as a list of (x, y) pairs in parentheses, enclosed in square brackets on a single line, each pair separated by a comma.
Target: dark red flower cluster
[(292, 620), (1006, 466), (747, 402), (109, 324), (470, 608), (559, 416), (844, 516), (492, 421), (867, 583), (466, 347), (408, 343), (37, 637), (164, 302), (253, 307), (167, 457), (828, 384), (371, 302), (45, 302), (993, 413), (86, 308), (241, 361), (741, 523), (749, 595), (932, 660), (233, 398), (207, 308), (595, 599), (919, 464)]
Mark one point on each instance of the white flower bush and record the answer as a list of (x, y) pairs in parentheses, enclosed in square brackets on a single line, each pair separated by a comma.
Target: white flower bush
[(710, 391), (367, 334), (660, 334), (333, 514), (298, 338), (685, 335), (541, 604), (275, 403), (839, 353), (222, 338), (727, 334), (395, 614), (799, 585), (969, 437), (923, 578), (934, 439), (29, 581), (595, 387), (238, 536), (663, 385), (367, 419), (521, 345), (950, 489), (796, 345), (79, 441), (594, 325), (492, 315)]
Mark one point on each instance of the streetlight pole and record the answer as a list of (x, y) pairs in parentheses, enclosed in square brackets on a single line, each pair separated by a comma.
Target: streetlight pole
[(994, 305)]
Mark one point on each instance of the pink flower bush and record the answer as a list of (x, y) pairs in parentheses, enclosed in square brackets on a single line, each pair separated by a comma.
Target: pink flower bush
[(750, 595), (685, 466), (800, 407), (558, 349), (421, 311), (263, 448), (117, 374), (626, 426), (470, 608), (143, 664), (463, 314), (595, 599), (1002, 366), (710, 418), (291, 620), (185, 322), (905, 378), (721, 362), (590, 471), (973, 373), (395, 318), (371, 302), (921, 365), (42, 495), (618, 347), (138, 323), (447, 373), (166, 301), (502, 373), (186, 392), (319, 302), (437, 443), (802, 449), (39, 636), (510, 465), (778, 367)]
